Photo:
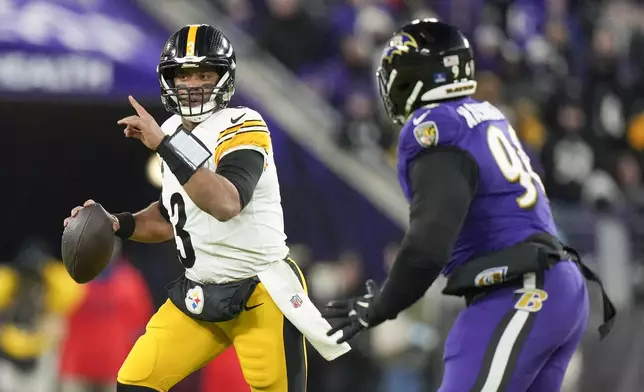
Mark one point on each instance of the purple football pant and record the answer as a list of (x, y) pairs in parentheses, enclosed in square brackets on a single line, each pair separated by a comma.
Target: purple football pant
[(521, 341)]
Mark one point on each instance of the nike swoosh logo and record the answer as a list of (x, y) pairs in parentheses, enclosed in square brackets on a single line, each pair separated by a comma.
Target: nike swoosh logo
[(247, 308), (420, 118), (234, 120)]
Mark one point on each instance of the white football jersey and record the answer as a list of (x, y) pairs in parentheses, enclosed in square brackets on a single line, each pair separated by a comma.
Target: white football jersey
[(220, 252)]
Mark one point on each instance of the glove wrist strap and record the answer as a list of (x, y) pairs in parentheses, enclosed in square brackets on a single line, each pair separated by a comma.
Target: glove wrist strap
[(127, 225)]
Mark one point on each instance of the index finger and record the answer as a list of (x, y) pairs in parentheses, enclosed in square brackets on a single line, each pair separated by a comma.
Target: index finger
[(335, 328), (140, 110)]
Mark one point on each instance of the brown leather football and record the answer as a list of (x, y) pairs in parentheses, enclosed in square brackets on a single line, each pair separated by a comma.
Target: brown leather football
[(88, 243)]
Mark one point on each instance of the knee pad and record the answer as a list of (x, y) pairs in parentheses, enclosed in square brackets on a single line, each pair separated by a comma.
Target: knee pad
[(132, 388)]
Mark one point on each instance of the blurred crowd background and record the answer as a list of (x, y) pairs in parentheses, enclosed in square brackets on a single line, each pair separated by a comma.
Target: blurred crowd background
[(567, 73)]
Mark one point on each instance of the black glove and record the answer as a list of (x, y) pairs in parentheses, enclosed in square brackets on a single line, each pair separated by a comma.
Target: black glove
[(352, 315)]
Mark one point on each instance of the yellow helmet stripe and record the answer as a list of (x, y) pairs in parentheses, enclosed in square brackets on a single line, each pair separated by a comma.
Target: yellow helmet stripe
[(192, 37)]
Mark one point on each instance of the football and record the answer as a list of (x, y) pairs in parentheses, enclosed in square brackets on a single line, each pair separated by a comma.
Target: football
[(88, 243)]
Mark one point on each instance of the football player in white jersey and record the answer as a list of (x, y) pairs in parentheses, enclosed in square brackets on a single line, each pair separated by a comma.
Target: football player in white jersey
[(220, 201)]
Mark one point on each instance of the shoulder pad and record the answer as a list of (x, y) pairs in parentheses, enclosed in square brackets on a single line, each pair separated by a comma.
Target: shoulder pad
[(170, 125), (239, 114), (229, 121), (430, 126), (245, 129)]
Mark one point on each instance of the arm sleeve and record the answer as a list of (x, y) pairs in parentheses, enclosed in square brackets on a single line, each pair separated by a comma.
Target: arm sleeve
[(444, 181), (242, 168)]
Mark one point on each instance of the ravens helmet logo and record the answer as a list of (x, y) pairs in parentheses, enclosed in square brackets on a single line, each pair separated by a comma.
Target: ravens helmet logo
[(399, 44)]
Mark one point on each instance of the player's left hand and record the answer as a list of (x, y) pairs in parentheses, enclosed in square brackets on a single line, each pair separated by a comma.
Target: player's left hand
[(142, 126), (351, 315)]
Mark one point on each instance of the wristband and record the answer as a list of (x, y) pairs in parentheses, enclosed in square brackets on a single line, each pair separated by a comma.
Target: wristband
[(183, 153), (127, 224)]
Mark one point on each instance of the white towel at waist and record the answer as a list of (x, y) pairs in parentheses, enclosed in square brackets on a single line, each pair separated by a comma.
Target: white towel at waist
[(288, 294)]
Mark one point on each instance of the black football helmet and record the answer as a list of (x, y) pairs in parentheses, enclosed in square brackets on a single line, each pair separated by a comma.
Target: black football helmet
[(197, 46), (425, 61)]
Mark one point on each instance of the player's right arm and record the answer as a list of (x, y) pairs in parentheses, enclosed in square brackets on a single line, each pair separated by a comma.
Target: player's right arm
[(148, 225), (151, 225)]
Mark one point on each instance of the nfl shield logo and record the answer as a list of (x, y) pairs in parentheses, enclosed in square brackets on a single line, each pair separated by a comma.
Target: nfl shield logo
[(296, 301)]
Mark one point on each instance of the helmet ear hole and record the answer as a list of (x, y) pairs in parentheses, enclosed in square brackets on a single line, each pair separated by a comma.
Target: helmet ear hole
[(403, 86), (405, 82)]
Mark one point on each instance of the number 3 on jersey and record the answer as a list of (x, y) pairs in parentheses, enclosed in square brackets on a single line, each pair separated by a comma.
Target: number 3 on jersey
[(514, 164), (185, 250)]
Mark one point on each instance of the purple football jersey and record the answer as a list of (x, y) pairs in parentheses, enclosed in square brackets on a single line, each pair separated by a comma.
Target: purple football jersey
[(510, 203)]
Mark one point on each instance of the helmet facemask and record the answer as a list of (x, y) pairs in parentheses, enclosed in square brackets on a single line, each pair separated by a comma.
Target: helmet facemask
[(392, 86), (383, 77), (177, 99)]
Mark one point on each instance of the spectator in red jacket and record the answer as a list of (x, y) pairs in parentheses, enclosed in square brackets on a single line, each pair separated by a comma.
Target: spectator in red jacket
[(104, 328)]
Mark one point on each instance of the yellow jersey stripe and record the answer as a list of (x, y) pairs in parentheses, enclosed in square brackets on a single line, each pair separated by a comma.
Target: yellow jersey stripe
[(261, 139), (243, 130), (245, 124), (192, 37)]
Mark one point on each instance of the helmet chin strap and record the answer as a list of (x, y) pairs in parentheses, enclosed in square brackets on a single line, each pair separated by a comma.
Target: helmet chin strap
[(198, 119), (207, 107)]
